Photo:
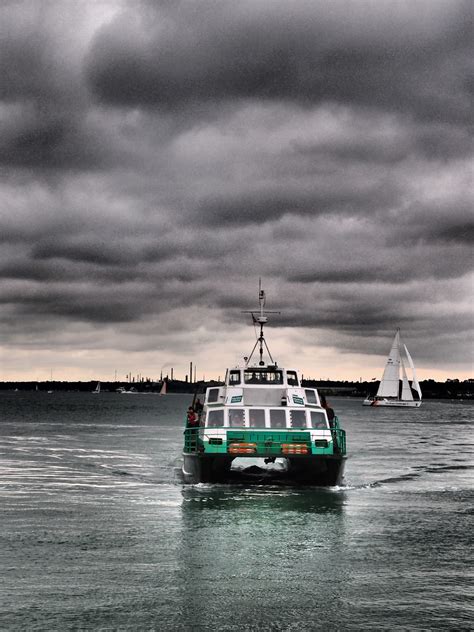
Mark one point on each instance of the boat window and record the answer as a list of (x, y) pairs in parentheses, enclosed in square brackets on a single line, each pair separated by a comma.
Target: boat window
[(292, 378), (318, 419), (311, 396), (212, 395), (234, 378), (236, 417), (277, 418), (256, 418), (257, 376), (215, 419), (298, 418)]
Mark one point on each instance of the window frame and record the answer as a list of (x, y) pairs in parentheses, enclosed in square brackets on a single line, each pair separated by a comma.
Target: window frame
[(295, 374), (299, 411), (321, 415), (232, 411), (208, 395), (278, 373), (313, 393), (234, 372), (214, 412), (258, 411), (285, 417)]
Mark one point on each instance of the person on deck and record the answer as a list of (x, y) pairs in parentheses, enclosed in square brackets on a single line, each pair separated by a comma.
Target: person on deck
[(332, 423), (192, 419), (327, 408)]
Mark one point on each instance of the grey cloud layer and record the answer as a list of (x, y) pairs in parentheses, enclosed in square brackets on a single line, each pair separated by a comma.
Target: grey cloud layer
[(382, 53), (158, 157)]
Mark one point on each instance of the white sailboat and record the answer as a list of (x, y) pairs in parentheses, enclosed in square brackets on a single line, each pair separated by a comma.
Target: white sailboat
[(96, 391), (163, 388), (389, 392)]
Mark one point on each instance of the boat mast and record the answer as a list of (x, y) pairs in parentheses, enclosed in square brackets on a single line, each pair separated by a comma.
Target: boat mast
[(262, 320)]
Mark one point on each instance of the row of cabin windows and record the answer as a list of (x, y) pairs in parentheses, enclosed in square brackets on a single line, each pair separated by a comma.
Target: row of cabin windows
[(260, 376), (276, 418), (213, 395)]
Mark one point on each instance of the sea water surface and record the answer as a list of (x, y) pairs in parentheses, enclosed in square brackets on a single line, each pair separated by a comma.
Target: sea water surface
[(98, 533)]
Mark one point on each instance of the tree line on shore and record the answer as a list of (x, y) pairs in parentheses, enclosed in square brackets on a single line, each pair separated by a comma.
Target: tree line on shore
[(450, 389)]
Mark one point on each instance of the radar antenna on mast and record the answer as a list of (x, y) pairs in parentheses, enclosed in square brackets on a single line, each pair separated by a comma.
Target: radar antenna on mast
[(262, 320)]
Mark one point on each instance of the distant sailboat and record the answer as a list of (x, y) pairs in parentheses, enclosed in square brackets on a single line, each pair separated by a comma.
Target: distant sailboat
[(163, 388), (389, 392), (96, 391)]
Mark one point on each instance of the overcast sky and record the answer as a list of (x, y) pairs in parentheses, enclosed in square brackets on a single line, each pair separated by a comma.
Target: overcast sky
[(157, 158)]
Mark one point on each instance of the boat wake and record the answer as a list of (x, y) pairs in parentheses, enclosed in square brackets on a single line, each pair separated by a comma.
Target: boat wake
[(416, 473)]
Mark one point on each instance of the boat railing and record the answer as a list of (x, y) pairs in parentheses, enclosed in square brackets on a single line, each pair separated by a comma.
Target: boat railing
[(338, 436), (193, 440)]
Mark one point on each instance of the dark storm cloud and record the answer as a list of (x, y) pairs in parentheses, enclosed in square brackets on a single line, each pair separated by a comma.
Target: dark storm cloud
[(453, 231), (158, 157), (264, 206), (44, 119), (52, 143), (460, 233), (426, 142), (93, 302), (105, 252), (29, 66), (385, 54)]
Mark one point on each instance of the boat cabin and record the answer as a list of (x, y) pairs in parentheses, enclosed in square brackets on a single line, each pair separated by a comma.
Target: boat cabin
[(263, 397)]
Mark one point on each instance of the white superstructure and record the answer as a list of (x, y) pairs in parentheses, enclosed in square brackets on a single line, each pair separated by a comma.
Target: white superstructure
[(264, 397)]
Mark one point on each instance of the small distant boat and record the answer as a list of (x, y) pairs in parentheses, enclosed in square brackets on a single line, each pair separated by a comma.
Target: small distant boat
[(163, 388), (392, 391), (96, 391), (123, 391)]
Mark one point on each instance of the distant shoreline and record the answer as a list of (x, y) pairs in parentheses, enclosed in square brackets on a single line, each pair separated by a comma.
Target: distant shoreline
[(450, 389)]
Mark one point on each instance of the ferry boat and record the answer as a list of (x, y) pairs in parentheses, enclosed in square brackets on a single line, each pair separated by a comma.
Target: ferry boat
[(262, 425)]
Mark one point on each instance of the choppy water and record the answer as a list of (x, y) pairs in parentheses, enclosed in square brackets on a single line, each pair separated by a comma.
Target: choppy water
[(97, 532)]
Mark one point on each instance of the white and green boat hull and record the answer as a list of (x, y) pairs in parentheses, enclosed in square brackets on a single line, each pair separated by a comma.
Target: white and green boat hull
[(314, 458)]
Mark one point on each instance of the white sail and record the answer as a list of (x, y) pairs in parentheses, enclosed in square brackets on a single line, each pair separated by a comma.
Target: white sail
[(407, 395), (389, 385), (163, 388), (388, 393), (415, 383), (97, 388)]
